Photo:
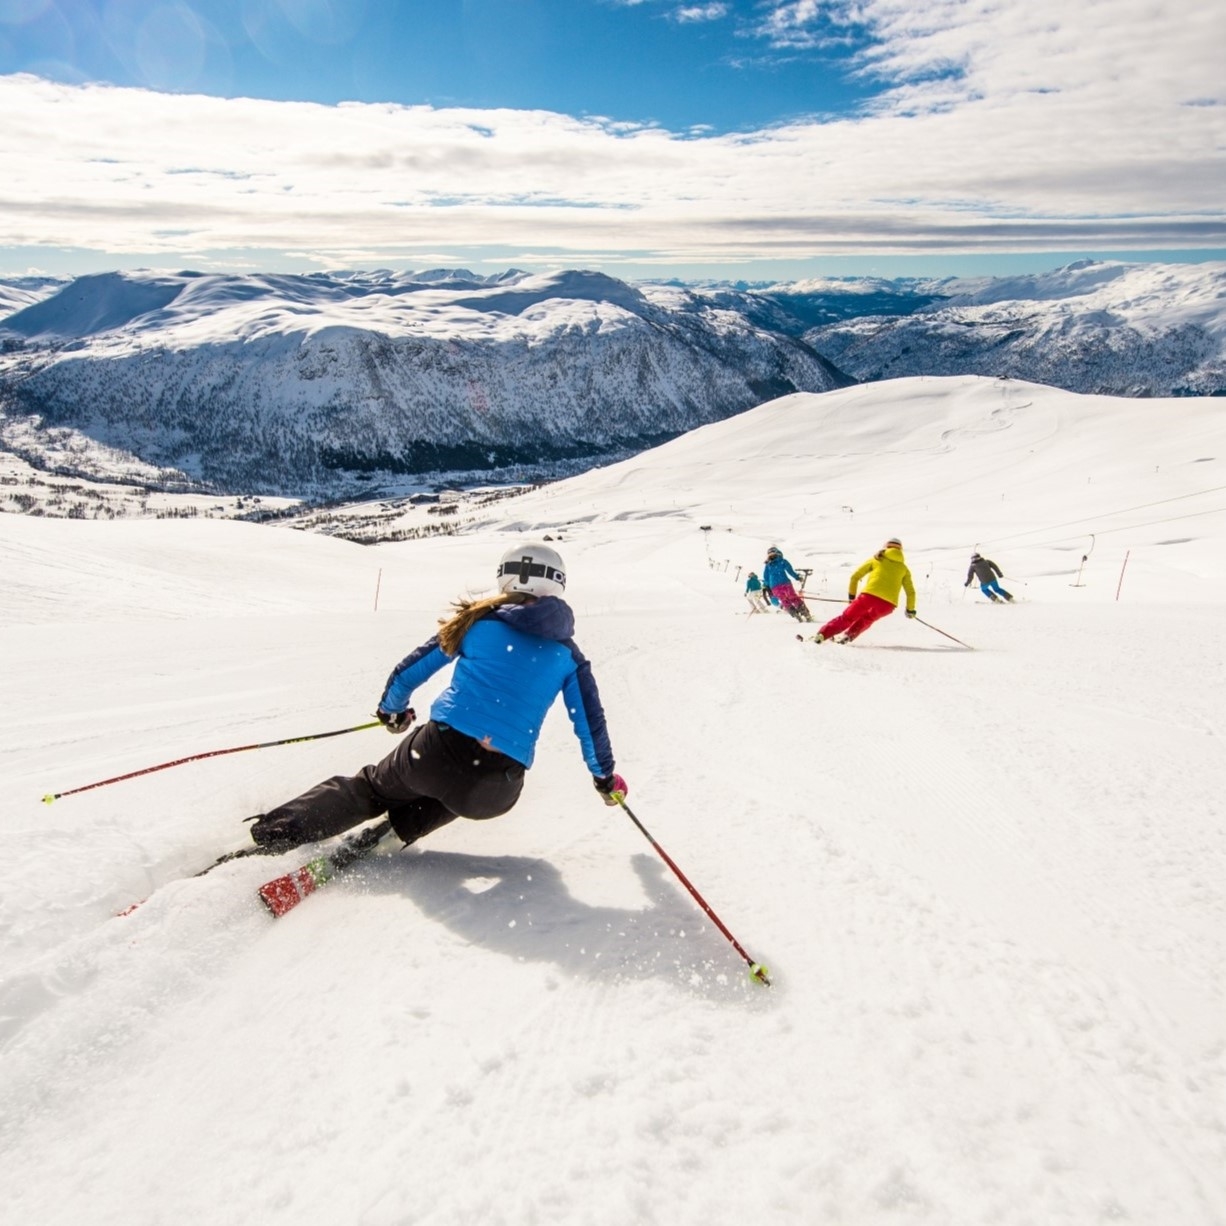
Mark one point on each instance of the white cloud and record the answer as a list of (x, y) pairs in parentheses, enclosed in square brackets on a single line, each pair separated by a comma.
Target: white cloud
[(1018, 125), (699, 12), (797, 23)]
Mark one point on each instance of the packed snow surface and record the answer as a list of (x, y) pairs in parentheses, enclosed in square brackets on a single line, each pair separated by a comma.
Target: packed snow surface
[(988, 883)]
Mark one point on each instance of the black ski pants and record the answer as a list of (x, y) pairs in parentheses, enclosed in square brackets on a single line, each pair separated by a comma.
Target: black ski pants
[(434, 775)]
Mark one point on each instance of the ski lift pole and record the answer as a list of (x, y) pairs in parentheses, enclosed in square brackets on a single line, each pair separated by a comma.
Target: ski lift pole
[(940, 631), (1085, 557), (212, 753), (756, 969)]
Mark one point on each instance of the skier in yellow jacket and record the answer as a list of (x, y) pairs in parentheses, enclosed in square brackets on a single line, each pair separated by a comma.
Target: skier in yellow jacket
[(887, 576)]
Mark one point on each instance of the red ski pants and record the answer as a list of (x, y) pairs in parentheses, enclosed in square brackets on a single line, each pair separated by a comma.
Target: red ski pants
[(857, 617)]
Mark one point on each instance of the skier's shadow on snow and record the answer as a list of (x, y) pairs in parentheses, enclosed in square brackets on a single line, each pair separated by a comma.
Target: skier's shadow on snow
[(521, 907)]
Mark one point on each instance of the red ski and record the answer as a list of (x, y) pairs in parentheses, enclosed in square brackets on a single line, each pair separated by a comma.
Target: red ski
[(284, 893)]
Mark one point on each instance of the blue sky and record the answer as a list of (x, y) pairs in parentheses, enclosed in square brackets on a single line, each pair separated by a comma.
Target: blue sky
[(751, 140), (715, 64)]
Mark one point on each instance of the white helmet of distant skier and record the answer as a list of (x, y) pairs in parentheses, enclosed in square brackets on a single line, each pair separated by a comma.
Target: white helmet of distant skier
[(532, 568)]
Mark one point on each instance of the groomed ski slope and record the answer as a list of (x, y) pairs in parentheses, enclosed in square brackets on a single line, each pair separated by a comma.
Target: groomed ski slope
[(988, 884)]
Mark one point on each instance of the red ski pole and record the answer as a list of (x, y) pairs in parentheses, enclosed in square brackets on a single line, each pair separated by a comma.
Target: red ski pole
[(948, 636), (212, 753), (756, 969)]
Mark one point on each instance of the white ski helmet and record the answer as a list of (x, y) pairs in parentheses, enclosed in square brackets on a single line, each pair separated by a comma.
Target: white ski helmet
[(532, 568)]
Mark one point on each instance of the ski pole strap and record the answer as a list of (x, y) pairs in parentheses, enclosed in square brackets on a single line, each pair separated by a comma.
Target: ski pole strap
[(212, 753)]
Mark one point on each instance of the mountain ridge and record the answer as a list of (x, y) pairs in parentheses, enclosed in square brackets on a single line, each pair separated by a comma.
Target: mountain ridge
[(1092, 327), (275, 385), (312, 384)]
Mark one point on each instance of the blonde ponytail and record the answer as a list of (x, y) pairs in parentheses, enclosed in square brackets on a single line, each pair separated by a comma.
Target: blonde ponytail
[(453, 629)]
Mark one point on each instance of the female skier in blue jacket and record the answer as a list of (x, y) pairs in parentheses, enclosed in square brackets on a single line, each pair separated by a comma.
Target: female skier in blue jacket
[(513, 655), (777, 576)]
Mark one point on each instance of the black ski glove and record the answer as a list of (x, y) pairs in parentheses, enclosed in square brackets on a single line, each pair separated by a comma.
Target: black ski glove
[(396, 721)]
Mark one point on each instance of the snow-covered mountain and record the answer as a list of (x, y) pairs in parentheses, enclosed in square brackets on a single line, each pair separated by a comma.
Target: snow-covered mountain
[(282, 383), (17, 293), (336, 384), (1123, 329), (798, 306)]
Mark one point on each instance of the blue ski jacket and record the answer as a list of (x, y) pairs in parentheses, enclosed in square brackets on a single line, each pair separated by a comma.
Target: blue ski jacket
[(777, 571), (511, 666)]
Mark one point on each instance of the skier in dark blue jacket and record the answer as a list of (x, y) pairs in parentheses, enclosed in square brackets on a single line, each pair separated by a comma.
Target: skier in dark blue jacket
[(513, 655)]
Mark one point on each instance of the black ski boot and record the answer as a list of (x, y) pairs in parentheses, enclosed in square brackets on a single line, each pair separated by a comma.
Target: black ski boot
[(276, 835)]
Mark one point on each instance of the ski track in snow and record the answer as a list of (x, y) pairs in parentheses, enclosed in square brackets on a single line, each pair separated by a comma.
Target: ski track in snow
[(987, 883)]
